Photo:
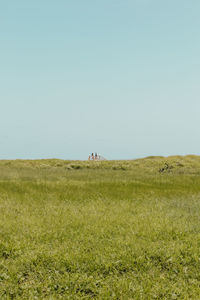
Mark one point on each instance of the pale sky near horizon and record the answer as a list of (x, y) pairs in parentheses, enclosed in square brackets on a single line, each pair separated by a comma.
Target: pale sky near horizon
[(118, 77)]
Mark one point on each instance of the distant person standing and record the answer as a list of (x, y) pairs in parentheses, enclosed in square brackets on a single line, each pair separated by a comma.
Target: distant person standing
[(92, 156), (96, 156), (89, 157)]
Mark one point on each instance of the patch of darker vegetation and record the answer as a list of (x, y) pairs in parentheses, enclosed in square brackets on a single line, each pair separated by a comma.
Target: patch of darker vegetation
[(5, 251), (119, 167), (76, 167), (179, 164), (166, 168), (86, 291)]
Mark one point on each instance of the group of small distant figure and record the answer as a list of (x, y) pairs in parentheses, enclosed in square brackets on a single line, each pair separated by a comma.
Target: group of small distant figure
[(93, 156)]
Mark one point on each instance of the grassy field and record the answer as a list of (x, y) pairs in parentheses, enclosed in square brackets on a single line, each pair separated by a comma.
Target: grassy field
[(100, 230)]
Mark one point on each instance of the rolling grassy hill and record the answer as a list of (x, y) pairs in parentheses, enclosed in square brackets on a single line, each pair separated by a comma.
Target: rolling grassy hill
[(100, 230)]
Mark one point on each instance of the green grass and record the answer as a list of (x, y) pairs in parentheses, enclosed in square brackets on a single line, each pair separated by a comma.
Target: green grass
[(100, 230)]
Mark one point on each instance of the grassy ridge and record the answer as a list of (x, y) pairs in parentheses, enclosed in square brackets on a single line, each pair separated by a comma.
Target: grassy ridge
[(101, 230)]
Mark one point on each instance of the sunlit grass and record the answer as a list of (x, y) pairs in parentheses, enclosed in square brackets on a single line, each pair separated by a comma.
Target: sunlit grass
[(101, 230)]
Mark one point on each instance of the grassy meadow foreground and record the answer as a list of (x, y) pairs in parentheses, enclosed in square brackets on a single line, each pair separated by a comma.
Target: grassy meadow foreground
[(100, 230)]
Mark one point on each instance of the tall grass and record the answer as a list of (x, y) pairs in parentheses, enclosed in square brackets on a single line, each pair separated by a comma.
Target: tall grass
[(100, 230)]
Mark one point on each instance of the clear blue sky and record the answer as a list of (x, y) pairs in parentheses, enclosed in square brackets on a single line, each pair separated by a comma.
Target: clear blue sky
[(120, 77)]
